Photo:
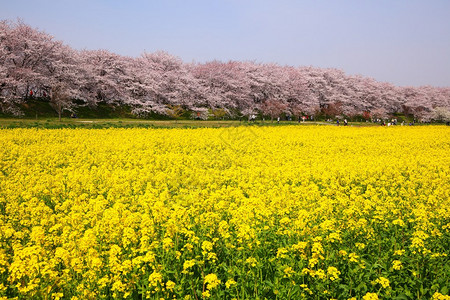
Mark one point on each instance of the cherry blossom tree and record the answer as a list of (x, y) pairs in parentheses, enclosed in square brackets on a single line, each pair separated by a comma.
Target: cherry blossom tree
[(106, 76), (224, 85), (34, 64), (380, 113), (164, 79), (441, 114), (26, 54), (60, 99), (273, 108)]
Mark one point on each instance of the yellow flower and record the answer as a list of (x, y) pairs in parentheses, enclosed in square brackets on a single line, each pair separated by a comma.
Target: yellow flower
[(288, 272), (360, 246), (207, 246), (334, 237), (299, 246), (57, 296), (206, 294), (92, 211), (399, 222), (370, 296), (188, 264), (383, 281), (353, 257), (211, 281), (284, 221), (439, 296), (167, 243), (155, 279), (170, 285), (251, 261), (417, 242), (399, 252), (333, 273), (229, 283), (282, 253), (397, 265), (321, 274)]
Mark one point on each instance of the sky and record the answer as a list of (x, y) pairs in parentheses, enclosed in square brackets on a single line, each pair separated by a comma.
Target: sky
[(404, 42)]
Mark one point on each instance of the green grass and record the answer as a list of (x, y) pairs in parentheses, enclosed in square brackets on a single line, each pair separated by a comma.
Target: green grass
[(54, 123), (39, 114)]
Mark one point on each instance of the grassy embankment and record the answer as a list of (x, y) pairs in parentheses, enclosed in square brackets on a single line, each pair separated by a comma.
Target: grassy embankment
[(38, 113)]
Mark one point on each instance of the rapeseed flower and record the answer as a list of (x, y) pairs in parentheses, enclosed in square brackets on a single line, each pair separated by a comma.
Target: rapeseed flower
[(105, 213)]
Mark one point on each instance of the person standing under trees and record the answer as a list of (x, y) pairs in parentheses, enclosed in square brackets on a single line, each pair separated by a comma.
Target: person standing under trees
[(345, 122), (337, 122)]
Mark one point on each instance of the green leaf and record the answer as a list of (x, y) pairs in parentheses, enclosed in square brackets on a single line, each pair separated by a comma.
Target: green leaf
[(268, 283), (401, 297), (361, 287), (344, 287), (408, 293)]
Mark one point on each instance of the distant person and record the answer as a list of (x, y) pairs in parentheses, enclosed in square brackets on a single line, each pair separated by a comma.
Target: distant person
[(278, 120), (345, 122), (337, 122)]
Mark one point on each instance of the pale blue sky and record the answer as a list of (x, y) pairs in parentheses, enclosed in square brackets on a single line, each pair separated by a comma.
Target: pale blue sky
[(405, 42)]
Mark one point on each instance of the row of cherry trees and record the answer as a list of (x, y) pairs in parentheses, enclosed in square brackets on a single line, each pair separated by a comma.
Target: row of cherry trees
[(34, 64)]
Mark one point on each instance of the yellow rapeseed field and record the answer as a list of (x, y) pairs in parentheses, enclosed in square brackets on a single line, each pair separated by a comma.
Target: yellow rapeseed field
[(288, 212)]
